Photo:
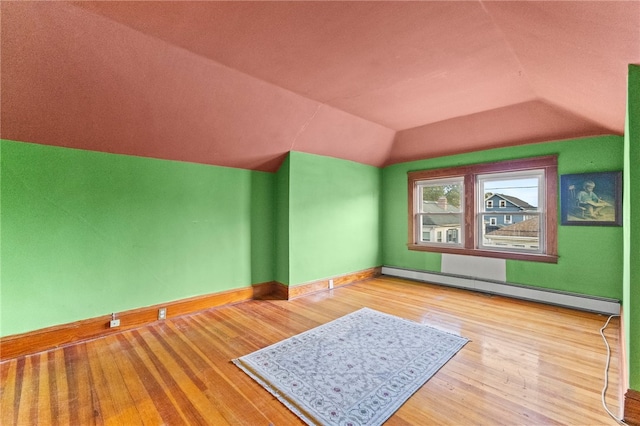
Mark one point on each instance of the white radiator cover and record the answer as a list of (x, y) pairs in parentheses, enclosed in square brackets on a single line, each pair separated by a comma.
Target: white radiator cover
[(552, 297), (474, 266)]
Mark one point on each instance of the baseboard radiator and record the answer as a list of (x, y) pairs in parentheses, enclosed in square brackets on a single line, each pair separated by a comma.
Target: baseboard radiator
[(552, 297)]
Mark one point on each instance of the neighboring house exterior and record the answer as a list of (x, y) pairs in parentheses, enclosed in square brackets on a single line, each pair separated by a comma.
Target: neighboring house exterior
[(507, 220), (504, 210), (442, 225), (523, 235)]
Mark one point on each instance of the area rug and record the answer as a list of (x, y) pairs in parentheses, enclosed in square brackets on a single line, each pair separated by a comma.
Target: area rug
[(356, 370)]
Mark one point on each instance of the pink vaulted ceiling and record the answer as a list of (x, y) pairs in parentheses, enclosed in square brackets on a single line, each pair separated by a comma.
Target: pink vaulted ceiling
[(242, 83)]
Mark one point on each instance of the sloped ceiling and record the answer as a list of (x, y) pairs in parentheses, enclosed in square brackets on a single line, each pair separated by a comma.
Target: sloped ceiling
[(242, 83)]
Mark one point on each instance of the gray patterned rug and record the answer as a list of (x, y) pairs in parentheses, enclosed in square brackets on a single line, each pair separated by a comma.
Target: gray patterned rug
[(356, 370)]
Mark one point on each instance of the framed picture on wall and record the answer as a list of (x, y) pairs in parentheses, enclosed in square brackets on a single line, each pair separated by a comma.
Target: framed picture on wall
[(591, 199)]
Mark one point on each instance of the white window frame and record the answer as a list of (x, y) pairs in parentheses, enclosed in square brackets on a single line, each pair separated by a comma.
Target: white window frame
[(539, 175), (437, 239)]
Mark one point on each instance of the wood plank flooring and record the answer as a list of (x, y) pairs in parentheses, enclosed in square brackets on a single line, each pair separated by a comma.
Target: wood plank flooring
[(526, 363)]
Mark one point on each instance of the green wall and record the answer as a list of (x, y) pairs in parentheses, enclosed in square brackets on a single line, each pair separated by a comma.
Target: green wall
[(631, 218), (334, 217), (590, 258), (263, 225), (86, 234)]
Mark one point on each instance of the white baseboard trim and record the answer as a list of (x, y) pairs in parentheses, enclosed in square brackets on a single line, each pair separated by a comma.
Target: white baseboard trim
[(552, 297)]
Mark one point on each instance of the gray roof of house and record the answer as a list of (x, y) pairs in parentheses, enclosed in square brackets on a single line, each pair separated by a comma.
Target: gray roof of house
[(516, 201), (526, 228), (447, 219), (449, 216)]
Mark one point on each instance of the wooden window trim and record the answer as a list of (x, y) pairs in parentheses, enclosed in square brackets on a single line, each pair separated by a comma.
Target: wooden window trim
[(469, 172)]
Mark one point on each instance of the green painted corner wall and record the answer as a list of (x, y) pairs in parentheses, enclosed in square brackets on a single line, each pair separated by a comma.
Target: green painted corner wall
[(334, 208), (631, 218), (263, 227), (282, 222), (590, 257), (87, 233)]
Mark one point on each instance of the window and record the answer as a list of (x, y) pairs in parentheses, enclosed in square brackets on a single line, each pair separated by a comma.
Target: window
[(524, 190), (455, 203), (438, 210)]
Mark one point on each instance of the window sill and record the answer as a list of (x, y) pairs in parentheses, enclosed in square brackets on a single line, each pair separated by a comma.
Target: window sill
[(545, 258)]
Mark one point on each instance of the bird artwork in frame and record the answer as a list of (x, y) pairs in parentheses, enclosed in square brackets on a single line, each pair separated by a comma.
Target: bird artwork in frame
[(592, 199)]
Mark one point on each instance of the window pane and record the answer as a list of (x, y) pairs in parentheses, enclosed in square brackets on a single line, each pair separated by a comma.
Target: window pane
[(523, 234), (444, 227), (440, 211), (511, 217), (511, 194)]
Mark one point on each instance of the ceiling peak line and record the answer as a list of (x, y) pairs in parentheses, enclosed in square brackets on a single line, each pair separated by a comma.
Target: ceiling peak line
[(535, 100), (521, 70), (198, 55), (304, 127)]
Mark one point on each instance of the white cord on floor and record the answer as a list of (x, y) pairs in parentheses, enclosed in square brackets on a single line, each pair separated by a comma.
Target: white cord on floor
[(606, 373)]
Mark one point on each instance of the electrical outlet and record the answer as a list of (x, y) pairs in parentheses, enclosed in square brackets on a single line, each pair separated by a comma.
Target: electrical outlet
[(330, 284), (162, 313), (115, 322)]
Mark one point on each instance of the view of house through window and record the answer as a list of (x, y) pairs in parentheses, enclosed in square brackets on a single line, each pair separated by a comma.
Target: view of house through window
[(515, 224), (439, 211)]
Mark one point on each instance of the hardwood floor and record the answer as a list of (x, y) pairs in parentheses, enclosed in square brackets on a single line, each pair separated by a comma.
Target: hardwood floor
[(526, 363)]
